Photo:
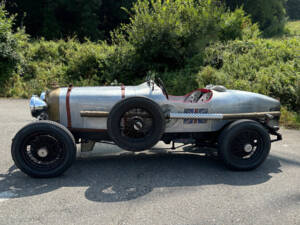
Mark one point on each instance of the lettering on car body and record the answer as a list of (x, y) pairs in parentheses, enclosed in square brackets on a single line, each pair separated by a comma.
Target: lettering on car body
[(195, 121)]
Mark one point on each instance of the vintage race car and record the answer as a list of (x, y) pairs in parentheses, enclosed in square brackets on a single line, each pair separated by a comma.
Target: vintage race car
[(237, 124)]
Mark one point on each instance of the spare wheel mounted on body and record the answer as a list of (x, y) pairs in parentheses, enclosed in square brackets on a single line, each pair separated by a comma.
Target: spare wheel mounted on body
[(136, 123)]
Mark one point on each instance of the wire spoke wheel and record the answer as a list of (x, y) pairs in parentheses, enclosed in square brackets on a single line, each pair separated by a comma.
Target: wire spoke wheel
[(136, 123), (43, 151), (244, 145)]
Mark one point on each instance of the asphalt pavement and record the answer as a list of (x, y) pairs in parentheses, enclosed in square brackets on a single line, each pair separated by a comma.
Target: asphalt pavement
[(111, 186)]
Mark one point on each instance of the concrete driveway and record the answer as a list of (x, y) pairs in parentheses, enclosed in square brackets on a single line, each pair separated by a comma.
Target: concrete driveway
[(110, 186)]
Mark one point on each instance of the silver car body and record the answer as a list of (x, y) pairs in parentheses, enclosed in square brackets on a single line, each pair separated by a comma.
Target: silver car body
[(183, 115)]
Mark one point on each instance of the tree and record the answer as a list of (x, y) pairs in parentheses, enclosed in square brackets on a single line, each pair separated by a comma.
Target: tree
[(270, 15), (55, 19), (112, 14), (293, 9)]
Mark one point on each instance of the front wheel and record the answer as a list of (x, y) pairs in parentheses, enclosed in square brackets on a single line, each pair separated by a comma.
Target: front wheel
[(244, 145), (43, 149)]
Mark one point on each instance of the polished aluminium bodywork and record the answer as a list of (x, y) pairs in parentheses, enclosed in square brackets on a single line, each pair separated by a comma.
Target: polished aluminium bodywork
[(87, 108)]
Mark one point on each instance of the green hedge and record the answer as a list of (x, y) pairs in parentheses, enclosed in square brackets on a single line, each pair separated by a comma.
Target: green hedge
[(62, 62), (270, 67), (10, 58)]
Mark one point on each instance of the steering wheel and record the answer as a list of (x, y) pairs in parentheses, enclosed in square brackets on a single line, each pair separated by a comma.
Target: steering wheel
[(162, 86)]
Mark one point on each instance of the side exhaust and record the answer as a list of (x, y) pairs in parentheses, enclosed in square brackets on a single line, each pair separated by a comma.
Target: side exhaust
[(208, 116), (231, 116)]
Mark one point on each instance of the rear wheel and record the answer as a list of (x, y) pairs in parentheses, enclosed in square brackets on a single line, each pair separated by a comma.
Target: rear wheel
[(244, 145), (43, 149), (136, 123)]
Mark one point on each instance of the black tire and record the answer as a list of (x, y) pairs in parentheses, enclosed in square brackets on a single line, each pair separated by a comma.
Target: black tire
[(147, 141), (59, 151), (244, 145)]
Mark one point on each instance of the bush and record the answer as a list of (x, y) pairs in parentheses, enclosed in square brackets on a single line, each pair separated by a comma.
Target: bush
[(156, 41), (289, 119), (9, 46), (180, 82), (270, 67), (51, 63), (236, 25), (293, 28)]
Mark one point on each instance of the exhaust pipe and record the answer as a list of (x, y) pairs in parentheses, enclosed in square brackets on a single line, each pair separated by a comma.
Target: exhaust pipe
[(230, 116), (207, 116)]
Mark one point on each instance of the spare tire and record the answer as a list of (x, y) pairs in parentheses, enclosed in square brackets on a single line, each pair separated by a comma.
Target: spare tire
[(136, 123)]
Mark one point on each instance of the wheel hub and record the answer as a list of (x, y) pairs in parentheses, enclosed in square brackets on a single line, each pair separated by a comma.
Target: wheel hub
[(248, 148), (42, 152), (138, 124)]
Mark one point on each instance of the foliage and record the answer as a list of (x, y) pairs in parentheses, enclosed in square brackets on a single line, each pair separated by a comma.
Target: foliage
[(95, 19), (201, 43), (156, 41), (270, 15), (57, 19), (61, 63), (270, 67), (180, 82), (10, 58), (237, 25), (294, 28), (293, 9), (289, 119), (112, 13)]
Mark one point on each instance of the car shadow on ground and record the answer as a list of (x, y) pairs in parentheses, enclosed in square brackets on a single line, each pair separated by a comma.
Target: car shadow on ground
[(127, 177)]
